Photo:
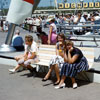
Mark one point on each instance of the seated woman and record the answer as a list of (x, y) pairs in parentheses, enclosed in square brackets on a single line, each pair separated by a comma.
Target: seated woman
[(74, 62), (58, 60)]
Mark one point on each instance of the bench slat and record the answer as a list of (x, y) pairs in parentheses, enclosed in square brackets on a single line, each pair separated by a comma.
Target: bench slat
[(86, 49), (47, 52), (47, 46)]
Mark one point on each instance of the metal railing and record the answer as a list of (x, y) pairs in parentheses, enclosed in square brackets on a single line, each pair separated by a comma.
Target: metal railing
[(70, 28), (94, 29)]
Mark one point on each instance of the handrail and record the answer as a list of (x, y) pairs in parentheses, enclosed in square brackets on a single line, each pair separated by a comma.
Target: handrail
[(94, 36), (89, 36), (65, 26), (87, 25)]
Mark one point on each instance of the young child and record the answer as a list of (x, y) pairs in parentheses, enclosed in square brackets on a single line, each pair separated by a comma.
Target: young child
[(30, 55)]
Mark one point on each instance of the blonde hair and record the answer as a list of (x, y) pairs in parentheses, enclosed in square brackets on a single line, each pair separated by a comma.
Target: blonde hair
[(28, 38)]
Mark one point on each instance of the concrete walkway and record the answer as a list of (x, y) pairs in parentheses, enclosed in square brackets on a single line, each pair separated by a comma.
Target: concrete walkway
[(22, 86)]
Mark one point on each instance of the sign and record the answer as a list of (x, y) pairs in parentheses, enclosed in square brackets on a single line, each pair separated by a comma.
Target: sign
[(67, 5), (91, 4), (97, 4), (79, 5), (60, 5), (85, 5), (73, 5)]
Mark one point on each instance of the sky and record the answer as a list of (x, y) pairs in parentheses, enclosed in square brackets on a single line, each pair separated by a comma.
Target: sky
[(44, 3), (47, 2)]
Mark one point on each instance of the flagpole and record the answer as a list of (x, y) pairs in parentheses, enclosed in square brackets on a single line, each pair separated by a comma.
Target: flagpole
[(7, 46), (35, 5)]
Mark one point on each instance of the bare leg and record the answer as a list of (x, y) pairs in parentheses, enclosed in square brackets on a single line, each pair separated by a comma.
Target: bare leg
[(62, 80), (49, 72), (30, 67), (57, 73), (18, 57), (73, 80), (17, 67), (74, 84), (61, 84)]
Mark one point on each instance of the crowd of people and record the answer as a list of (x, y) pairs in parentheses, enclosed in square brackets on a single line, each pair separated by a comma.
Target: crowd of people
[(36, 24), (55, 23)]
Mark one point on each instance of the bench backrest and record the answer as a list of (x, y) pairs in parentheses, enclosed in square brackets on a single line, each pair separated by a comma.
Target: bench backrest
[(89, 54), (46, 52)]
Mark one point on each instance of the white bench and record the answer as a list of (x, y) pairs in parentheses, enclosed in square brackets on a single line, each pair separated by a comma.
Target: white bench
[(46, 52)]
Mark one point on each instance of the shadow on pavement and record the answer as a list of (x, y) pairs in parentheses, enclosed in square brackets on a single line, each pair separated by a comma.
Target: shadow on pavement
[(52, 80), (79, 82)]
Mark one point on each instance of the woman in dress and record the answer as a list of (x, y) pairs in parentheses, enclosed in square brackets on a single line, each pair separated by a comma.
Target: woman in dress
[(52, 31), (57, 61), (74, 62)]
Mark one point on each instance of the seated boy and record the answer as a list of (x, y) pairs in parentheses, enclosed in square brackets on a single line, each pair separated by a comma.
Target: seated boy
[(30, 55)]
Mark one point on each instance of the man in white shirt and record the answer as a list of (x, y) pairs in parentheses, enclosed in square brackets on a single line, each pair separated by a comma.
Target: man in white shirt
[(79, 20), (96, 17), (30, 55)]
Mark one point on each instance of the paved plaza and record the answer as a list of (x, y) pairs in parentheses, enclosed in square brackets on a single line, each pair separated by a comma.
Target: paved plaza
[(23, 86)]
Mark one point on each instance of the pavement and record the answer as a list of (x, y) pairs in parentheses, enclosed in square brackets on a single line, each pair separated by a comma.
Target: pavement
[(23, 86)]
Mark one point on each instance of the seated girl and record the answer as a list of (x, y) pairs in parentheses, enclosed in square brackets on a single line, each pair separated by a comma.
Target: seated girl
[(58, 60), (74, 62)]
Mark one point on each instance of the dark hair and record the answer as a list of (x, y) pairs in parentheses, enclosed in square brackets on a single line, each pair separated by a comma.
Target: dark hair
[(28, 38), (53, 20), (62, 36)]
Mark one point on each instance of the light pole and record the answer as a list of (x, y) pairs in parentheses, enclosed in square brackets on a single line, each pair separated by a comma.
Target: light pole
[(56, 6), (50, 3), (65, 1), (81, 1), (75, 7), (1, 7)]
